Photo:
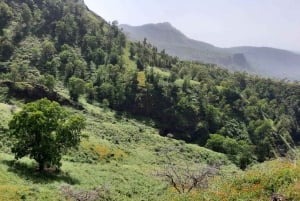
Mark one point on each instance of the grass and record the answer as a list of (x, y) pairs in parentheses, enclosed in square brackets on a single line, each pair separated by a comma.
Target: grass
[(121, 153), (124, 155), (6, 115), (18, 181), (279, 177)]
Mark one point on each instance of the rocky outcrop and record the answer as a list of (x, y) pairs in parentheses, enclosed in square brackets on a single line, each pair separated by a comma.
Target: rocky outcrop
[(33, 91)]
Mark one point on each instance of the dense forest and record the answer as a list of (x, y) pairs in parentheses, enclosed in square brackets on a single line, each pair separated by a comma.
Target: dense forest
[(58, 44)]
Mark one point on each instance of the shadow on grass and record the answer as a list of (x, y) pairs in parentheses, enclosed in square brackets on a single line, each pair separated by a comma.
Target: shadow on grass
[(30, 172), (151, 122)]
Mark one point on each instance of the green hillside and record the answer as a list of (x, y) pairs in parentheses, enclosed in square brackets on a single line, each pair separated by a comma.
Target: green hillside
[(157, 128), (120, 155)]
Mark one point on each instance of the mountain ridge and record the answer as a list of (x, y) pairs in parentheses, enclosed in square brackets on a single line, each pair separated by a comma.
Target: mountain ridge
[(269, 61)]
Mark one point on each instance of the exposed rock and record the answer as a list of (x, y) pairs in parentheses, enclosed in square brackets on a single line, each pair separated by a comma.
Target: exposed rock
[(34, 91)]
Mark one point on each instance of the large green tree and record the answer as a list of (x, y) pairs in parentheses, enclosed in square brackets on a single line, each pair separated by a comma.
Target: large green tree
[(44, 131)]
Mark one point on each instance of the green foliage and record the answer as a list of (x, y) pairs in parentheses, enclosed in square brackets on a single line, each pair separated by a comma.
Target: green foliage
[(6, 112), (26, 14), (66, 29), (76, 87), (236, 130), (90, 92), (239, 152), (48, 52), (121, 154), (6, 49), (44, 131), (48, 81), (5, 15), (275, 180)]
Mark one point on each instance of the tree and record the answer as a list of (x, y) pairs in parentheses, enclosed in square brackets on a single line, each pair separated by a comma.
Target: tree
[(44, 131), (5, 15), (26, 14), (6, 49), (48, 81), (48, 51), (239, 152), (185, 178), (76, 87), (90, 92), (66, 30)]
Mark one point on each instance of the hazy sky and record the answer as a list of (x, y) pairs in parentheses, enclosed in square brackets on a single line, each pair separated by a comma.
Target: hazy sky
[(224, 23)]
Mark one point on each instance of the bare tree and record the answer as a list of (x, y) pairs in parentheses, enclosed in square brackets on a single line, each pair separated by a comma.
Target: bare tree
[(186, 177)]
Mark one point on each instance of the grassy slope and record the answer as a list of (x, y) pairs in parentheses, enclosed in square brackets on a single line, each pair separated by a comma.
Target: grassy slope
[(120, 153), (5, 115), (278, 178)]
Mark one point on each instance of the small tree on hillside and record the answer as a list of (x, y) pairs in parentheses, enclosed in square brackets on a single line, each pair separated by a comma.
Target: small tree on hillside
[(48, 81), (44, 131), (76, 87)]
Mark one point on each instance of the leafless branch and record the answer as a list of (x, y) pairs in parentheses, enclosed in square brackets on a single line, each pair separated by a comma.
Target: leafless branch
[(184, 178)]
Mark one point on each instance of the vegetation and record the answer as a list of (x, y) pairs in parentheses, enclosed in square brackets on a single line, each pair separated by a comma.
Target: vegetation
[(44, 131), (121, 158), (129, 93), (274, 180)]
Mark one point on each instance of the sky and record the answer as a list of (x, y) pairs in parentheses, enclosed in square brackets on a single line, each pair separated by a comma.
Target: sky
[(224, 23)]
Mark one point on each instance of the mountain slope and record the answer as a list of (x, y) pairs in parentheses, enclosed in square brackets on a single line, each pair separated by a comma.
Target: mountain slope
[(265, 61), (165, 36)]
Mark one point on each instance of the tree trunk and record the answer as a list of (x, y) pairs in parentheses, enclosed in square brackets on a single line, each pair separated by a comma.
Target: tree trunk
[(41, 166)]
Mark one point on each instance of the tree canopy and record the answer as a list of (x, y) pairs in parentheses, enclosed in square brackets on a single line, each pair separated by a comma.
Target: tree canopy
[(44, 131)]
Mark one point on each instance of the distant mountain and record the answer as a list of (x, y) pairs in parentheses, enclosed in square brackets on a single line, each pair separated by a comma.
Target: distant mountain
[(271, 61), (265, 61), (165, 36)]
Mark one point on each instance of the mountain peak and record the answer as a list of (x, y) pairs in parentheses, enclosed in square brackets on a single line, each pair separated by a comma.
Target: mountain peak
[(164, 24), (153, 31)]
